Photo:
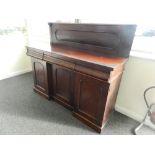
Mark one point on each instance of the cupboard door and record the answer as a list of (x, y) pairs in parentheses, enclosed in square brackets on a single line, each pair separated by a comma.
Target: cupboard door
[(90, 100), (40, 77), (63, 85)]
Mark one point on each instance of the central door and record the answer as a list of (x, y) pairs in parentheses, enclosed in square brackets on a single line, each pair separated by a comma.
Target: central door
[(63, 79)]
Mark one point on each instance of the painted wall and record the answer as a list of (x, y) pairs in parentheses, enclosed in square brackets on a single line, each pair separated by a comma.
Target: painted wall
[(13, 59), (139, 74)]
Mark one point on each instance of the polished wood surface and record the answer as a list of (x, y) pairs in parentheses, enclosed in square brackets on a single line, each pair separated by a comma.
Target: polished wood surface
[(40, 76), (87, 57), (91, 95), (100, 39), (83, 70), (63, 87)]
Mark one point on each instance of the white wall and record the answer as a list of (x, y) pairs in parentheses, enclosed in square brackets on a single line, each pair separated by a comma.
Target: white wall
[(13, 59), (139, 74)]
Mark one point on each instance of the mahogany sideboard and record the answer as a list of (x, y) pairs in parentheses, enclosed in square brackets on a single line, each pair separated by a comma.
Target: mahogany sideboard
[(83, 69)]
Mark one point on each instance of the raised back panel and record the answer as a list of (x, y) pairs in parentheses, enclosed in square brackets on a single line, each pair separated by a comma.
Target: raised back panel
[(110, 40)]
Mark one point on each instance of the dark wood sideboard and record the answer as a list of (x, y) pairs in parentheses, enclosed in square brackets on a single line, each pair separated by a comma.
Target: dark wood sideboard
[(83, 69)]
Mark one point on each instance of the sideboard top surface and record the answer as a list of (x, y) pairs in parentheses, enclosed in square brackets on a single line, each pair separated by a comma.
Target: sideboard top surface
[(87, 57), (77, 57)]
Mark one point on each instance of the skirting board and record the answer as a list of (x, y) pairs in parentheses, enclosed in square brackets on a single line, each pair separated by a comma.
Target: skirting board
[(133, 115), (15, 73)]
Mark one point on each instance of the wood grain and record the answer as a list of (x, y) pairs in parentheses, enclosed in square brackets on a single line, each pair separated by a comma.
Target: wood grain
[(83, 70)]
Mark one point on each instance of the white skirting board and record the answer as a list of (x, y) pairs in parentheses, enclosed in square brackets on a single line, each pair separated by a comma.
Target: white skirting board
[(15, 73), (133, 115)]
